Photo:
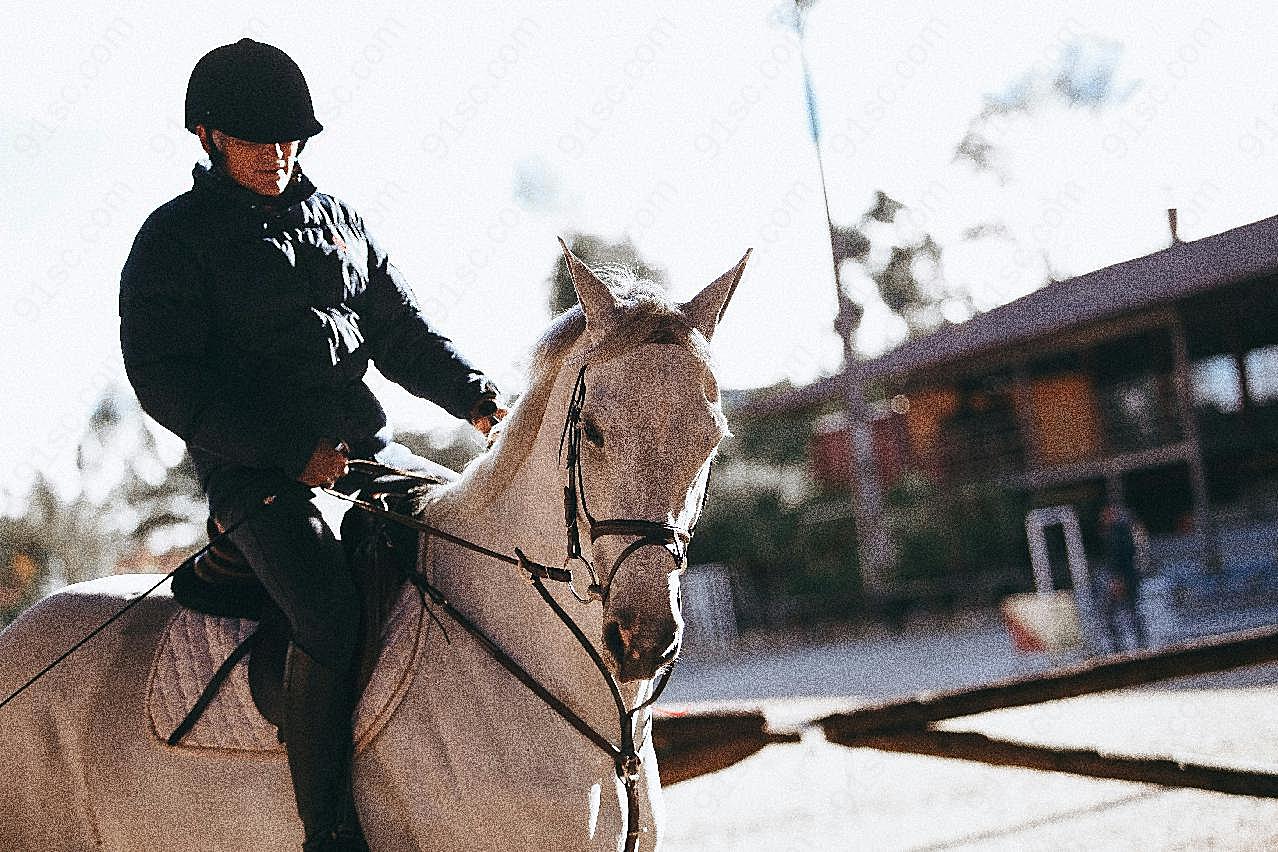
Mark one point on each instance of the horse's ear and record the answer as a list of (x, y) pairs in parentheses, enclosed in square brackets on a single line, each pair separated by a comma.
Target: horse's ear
[(706, 308), (596, 299)]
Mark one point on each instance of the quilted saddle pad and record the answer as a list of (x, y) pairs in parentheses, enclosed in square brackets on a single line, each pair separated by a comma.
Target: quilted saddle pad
[(195, 644)]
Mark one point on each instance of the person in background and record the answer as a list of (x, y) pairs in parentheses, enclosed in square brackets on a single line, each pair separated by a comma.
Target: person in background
[(250, 309), (1122, 576)]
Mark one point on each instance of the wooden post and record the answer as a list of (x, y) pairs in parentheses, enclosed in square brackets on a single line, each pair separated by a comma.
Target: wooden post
[(691, 745), (1203, 521)]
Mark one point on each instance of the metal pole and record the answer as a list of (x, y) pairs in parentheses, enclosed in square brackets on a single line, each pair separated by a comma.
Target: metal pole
[(847, 319), (874, 548)]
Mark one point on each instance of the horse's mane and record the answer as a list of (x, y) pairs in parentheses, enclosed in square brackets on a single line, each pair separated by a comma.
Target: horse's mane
[(645, 314)]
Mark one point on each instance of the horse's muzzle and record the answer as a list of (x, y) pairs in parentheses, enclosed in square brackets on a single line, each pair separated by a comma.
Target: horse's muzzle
[(639, 652)]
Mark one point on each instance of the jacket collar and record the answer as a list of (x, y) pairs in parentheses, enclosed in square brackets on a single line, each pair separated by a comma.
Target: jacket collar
[(222, 185)]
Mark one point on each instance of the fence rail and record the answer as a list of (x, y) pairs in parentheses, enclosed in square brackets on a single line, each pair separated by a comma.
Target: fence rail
[(1169, 772), (1199, 656), (696, 742), (693, 744)]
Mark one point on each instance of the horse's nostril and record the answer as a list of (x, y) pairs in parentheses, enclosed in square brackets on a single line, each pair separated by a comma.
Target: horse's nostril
[(612, 638)]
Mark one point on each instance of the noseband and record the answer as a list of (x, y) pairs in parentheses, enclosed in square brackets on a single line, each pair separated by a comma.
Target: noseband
[(674, 539)]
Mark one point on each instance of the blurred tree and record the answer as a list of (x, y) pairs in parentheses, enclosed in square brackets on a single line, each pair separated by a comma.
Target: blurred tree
[(789, 545), (905, 268), (52, 542), (1083, 77), (597, 253), (25, 551), (129, 510), (988, 523), (779, 440), (749, 524), (151, 507), (915, 510), (964, 540)]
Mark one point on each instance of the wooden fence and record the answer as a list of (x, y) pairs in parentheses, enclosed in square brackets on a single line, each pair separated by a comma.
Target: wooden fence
[(694, 743)]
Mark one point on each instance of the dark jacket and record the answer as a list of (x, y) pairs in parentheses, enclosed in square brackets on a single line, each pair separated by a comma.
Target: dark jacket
[(247, 325)]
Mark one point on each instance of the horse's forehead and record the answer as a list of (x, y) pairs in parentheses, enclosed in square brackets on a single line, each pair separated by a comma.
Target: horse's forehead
[(656, 372)]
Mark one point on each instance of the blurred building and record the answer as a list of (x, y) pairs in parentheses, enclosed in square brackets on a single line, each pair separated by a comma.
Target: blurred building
[(1153, 382)]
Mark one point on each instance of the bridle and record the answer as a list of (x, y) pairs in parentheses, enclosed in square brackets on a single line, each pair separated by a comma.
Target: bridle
[(674, 539)]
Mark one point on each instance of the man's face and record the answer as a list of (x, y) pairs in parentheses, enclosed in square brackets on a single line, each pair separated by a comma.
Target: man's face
[(264, 167)]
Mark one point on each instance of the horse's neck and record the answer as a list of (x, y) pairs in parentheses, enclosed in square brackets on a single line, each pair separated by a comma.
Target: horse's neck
[(527, 514)]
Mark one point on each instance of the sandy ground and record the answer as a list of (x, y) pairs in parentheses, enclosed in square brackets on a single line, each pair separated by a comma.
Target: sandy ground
[(814, 795)]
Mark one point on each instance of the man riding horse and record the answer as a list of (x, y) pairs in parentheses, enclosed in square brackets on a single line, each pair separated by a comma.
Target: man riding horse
[(250, 307)]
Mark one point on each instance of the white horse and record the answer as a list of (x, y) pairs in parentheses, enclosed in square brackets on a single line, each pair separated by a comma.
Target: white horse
[(470, 758)]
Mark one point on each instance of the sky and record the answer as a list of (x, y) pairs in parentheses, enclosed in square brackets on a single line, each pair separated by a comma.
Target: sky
[(470, 136)]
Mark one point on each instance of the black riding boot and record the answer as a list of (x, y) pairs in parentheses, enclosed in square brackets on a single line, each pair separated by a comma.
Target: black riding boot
[(318, 704)]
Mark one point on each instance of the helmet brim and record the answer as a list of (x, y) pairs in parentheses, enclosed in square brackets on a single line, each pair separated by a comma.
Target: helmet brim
[(284, 133)]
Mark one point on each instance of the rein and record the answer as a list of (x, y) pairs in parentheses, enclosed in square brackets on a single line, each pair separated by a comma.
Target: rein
[(265, 501), (674, 539), (625, 755)]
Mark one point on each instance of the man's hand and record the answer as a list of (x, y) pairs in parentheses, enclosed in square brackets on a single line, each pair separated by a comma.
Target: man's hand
[(327, 464), (488, 422), (486, 414)]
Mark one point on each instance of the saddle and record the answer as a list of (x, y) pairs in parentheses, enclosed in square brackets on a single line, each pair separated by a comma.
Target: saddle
[(226, 604)]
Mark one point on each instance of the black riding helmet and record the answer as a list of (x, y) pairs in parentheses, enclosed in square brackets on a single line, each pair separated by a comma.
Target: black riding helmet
[(252, 91)]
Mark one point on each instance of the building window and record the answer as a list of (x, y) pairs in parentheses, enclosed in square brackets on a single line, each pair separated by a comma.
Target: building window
[(1136, 390), (1137, 413), (1214, 383), (1262, 375), (982, 438)]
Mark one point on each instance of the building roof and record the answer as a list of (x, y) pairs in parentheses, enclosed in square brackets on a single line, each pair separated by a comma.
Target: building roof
[(1181, 270)]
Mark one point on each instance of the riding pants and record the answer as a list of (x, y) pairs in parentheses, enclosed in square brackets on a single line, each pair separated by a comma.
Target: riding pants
[(294, 552)]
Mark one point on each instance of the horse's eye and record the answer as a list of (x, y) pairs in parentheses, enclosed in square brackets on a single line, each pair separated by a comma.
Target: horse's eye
[(593, 435)]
